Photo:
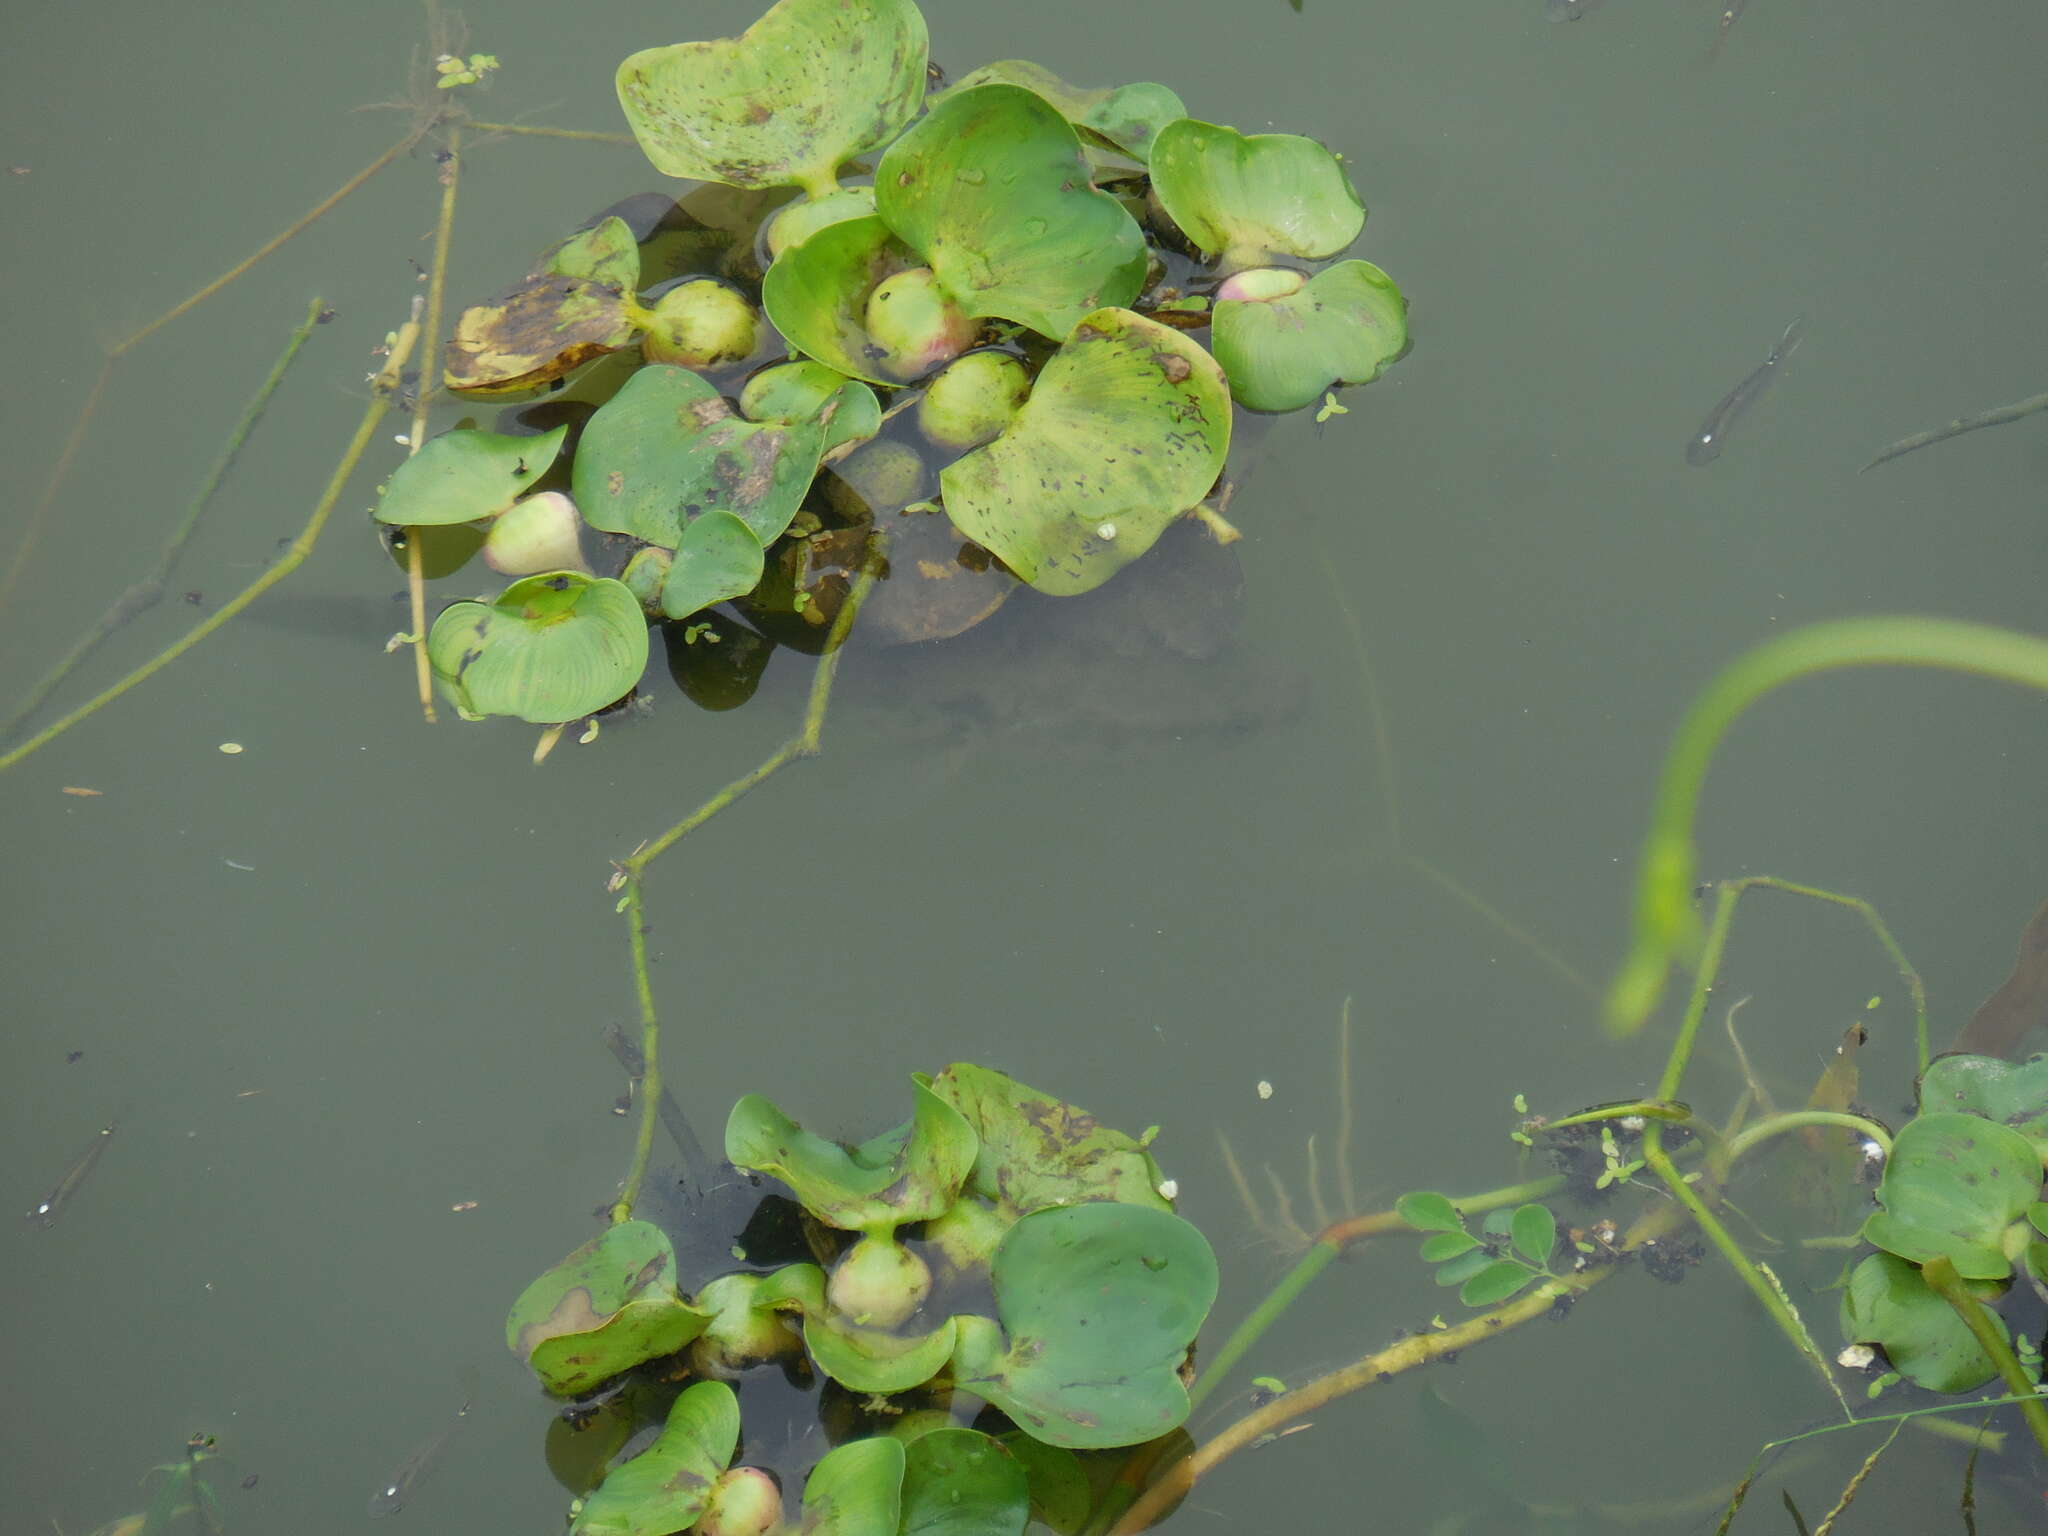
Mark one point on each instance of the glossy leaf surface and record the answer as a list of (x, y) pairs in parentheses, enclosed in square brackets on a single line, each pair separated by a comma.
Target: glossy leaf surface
[(907, 1174), (817, 293), (1256, 199), (1099, 1304), (607, 1307), (803, 90), (1343, 327), (666, 1486), (1129, 116), (992, 190), (667, 449), (1126, 428), (960, 1482), (549, 648), (1952, 1185), (464, 475), (1888, 1304)]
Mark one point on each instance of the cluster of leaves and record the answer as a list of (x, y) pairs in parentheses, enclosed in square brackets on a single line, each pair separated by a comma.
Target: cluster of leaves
[(1511, 1252), (1023, 1202), (1029, 266), (1963, 1185)]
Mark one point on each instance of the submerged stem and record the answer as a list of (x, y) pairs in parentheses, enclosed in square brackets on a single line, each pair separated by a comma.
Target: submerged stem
[(144, 593), (383, 389), (1941, 1277), (430, 381), (632, 870)]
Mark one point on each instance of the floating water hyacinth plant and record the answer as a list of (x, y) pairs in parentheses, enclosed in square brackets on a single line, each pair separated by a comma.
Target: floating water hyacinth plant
[(998, 293)]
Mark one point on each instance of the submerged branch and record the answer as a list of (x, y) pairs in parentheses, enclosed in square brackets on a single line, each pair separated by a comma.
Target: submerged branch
[(383, 390), (1996, 417), (149, 590), (632, 870)]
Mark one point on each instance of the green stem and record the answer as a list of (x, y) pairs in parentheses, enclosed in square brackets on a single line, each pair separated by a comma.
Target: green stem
[(1660, 1163), (1331, 1242), (650, 1053), (1777, 1125), (1648, 1109), (1941, 1277), (553, 133), (1666, 931), (1262, 1317), (92, 399), (383, 389), (146, 592), (430, 383), (632, 871)]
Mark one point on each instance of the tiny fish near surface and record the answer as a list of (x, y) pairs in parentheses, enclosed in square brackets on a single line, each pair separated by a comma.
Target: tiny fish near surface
[(46, 1211), (1705, 446), (414, 1470)]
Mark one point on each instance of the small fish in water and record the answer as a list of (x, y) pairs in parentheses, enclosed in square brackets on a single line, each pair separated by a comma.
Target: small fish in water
[(1569, 10), (46, 1211), (416, 1468), (1705, 446), (1731, 12)]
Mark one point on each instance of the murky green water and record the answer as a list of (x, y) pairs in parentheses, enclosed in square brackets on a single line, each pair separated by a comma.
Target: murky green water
[(341, 983)]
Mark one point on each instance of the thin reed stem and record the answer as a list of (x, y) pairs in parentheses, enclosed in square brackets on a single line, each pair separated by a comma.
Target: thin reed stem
[(383, 390), (149, 590)]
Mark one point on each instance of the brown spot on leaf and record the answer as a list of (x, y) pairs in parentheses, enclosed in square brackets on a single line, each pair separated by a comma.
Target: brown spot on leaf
[(573, 1314)]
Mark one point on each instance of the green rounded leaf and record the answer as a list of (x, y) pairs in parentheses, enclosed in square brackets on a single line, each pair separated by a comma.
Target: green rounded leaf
[(607, 1307), (1458, 1270), (718, 559), (1951, 1187), (1129, 116), (796, 222), (793, 392), (1888, 1304), (803, 90), (992, 190), (1037, 1151), (857, 1490), (1253, 200), (1496, 1282), (1534, 1231), (1126, 428), (909, 1174), (667, 449), (872, 1360), (666, 1486), (2013, 1093), (1428, 1211), (546, 649), (1060, 1495), (1343, 327), (1441, 1246), (817, 293), (1100, 1304), (464, 475), (960, 1482)]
